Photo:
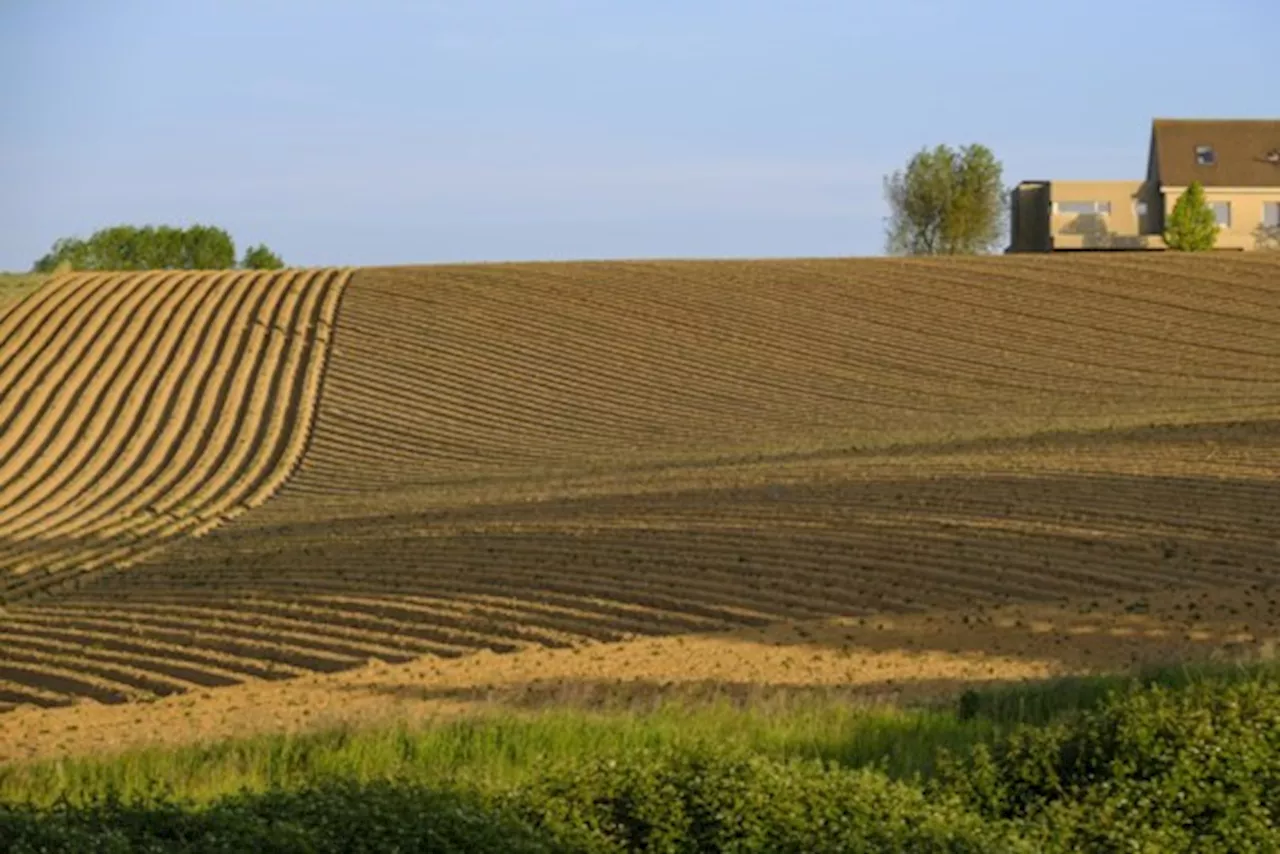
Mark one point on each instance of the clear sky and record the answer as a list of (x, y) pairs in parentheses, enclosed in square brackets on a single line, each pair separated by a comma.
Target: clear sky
[(400, 131)]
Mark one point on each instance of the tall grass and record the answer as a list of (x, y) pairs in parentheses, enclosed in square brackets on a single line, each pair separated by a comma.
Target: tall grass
[(496, 751)]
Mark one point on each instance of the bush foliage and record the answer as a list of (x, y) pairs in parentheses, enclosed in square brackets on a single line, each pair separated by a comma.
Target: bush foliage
[(261, 258), (946, 202), (1194, 768), (1192, 225), (128, 247), (708, 801)]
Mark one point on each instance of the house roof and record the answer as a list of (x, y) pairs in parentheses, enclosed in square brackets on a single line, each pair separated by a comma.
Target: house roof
[(1246, 152)]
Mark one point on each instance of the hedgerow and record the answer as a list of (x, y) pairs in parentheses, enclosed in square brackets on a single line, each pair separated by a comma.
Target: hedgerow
[(1188, 769), (1193, 769)]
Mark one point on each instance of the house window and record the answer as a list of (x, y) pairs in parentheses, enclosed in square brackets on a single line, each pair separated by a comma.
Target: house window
[(1140, 208), (1222, 212), (1084, 207), (1271, 214), (1205, 155)]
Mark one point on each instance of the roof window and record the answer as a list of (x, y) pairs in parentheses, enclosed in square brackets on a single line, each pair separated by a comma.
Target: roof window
[(1205, 155)]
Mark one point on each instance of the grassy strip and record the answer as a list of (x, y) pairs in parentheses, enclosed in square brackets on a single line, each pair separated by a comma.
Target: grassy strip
[(494, 752), (1189, 768), (498, 751)]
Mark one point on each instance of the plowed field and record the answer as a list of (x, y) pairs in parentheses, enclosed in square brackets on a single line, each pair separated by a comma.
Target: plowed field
[(555, 455), (140, 409)]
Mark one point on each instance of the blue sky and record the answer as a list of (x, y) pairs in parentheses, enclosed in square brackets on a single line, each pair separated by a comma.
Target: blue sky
[(394, 131)]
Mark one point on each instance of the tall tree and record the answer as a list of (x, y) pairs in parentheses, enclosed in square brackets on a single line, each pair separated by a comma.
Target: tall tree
[(946, 202), (1192, 225)]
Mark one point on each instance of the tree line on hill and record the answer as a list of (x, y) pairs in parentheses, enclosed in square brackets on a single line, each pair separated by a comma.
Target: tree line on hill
[(129, 247)]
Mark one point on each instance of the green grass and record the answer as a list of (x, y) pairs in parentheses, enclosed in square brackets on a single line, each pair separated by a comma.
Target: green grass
[(494, 752), (497, 751), (1179, 760), (1051, 700)]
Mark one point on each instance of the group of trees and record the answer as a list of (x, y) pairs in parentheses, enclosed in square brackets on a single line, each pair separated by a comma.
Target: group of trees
[(128, 247), (953, 202)]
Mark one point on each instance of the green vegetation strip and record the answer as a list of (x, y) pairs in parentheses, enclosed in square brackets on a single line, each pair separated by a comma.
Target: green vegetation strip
[(1180, 760)]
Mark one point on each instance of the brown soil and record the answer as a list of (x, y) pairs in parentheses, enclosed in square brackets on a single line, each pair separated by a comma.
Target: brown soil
[(622, 475), (883, 659), (136, 410)]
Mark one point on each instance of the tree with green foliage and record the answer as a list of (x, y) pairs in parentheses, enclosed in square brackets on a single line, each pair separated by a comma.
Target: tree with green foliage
[(261, 258), (207, 248), (946, 202), (1192, 226), (128, 247)]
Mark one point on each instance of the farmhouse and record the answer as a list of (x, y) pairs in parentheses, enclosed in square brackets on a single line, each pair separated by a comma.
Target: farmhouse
[(1236, 160)]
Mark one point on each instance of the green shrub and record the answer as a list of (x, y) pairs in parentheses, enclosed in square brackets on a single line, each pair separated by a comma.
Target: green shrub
[(709, 802), (1194, 769), (261, 258), (338, 817), (1192, 226)]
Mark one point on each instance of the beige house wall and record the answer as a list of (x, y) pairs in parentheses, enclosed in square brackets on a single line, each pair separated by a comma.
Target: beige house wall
[(1246, 211), (1133, 221)]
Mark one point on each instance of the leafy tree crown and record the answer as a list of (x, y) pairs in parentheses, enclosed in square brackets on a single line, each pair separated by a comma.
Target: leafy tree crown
[(1192, 225), (946, 202)]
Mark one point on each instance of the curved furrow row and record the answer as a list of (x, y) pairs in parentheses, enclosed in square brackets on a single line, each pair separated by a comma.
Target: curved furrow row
[(264, 641), (170, 403), (1244, 282), (83, 475), (735, 379), (700, 569), (981, 304), (45, 386), (126, 639), (472, 399), (807, 316)]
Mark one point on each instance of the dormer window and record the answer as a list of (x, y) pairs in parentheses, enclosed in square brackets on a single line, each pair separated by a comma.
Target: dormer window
[(1205, 155)]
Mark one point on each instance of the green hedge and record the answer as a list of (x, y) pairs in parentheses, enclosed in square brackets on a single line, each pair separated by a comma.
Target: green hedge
[(1188, 769), (1191, 769), (337, 817), (699, 802), (673, 803)]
